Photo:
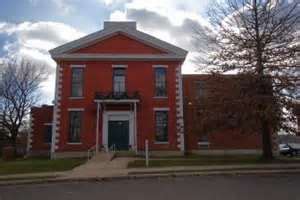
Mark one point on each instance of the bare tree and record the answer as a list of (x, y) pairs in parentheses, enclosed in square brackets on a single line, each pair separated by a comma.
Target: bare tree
[(259, 39), (19, 84)]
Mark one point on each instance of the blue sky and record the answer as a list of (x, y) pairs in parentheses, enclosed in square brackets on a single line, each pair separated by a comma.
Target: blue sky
[(29, 28), (81, 14)]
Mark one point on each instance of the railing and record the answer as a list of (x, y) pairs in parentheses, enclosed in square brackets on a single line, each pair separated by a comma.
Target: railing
[(117, 95), (112, 148), (91, 152)]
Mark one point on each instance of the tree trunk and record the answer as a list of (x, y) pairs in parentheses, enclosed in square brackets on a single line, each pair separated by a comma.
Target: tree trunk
[(13, 141), (266, 140)]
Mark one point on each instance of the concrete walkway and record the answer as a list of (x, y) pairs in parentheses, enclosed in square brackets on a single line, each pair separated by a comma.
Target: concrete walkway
[(100, 166)]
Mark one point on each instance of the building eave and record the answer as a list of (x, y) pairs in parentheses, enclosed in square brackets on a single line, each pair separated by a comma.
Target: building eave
[(118, 57)]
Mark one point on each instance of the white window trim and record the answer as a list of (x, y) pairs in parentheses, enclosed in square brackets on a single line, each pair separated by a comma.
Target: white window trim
[(162, 109), (119, 66), (75, 109), (74, 98), (158, 142), (160, 66), (203, 143), (74, 143), (160, 97), (48, 124), (77, 66)]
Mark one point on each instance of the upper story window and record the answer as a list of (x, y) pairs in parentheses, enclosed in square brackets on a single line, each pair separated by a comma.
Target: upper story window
[(119, 80), (77, 82), (75, 121), (160, 82)]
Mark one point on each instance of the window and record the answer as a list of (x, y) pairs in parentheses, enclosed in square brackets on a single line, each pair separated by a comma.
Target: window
[(119, 81), (160, 82), (75, 126), (199, 87), (161, 122), (77, 82), (48, 133)]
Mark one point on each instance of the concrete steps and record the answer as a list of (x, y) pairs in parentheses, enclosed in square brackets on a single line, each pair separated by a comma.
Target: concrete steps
[(102, 157)]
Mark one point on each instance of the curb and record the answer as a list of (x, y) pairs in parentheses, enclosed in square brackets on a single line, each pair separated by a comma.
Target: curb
[(208, 170), (147, 176)]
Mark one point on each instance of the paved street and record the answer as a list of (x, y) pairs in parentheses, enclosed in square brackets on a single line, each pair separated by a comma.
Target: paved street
[(248, 187)]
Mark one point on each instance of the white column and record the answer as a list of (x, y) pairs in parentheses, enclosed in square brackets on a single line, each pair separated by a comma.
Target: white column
[(97, 127), (135, 127)]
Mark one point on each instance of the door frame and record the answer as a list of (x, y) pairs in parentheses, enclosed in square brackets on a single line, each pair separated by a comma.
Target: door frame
[(117, 116)]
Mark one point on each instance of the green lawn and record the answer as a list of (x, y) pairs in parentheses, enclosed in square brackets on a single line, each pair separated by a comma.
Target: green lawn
[(34, 165), (196, 160)]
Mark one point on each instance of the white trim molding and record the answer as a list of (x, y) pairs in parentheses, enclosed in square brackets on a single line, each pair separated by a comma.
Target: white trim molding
[(119, 66), (77, 66), (160, 66), (76, 98), (158, 97), (75, 109), (118, 57), (29, 136), (56, 111), (48, 124), (179, 110), (161, 109)]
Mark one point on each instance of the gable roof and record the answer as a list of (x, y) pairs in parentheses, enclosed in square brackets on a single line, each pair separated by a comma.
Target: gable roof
[(110, 29)]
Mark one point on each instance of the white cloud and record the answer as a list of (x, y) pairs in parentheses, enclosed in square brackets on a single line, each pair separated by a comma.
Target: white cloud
[(118, 16), (32, 40), (174, 21), (111, 2)]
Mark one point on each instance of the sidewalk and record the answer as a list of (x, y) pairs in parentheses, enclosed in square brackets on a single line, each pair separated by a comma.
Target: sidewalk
[(103, 168)]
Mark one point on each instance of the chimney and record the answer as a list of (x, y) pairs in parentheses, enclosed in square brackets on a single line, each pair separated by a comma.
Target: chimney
[(119, 25)]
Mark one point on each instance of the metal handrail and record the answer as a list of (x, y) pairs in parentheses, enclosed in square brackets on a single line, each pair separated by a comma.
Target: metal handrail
[(112, 148), (90, 152)]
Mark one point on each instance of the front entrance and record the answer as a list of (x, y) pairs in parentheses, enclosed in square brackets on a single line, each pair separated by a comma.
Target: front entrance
[(118, 134)]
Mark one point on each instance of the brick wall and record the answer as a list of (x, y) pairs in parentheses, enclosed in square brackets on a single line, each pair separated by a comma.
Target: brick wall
[(229, 139), (41, 117)]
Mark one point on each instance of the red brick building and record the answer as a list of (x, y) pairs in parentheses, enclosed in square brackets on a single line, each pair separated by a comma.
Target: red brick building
[(115, 88), (229, 141)]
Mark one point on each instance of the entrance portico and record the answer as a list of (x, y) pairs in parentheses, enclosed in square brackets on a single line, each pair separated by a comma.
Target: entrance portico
[(120, 122)]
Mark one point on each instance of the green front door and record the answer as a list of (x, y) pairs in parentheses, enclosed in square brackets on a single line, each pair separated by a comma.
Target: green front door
[(118, 134)]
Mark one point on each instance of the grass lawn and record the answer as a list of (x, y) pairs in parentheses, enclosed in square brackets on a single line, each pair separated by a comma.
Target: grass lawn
[(35, 165), (197, 160)]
